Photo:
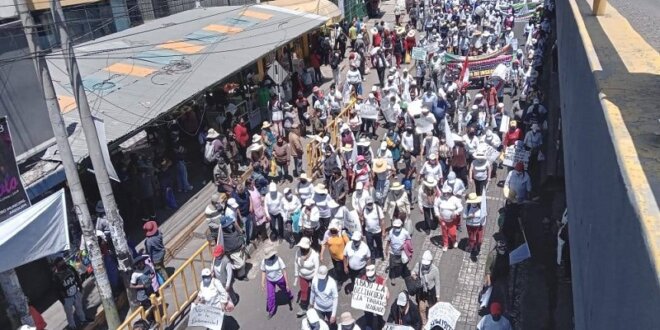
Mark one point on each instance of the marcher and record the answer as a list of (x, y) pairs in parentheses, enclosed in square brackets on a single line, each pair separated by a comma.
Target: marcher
[(69, 285), (475, 220), (429, 274), (395, 244), (373, 223), (405, 312), (306, 266), (325, 297), (426, 197), (479, 172), (212, 292), (356, 257), (447, 209), (518, 183), (374, 321), (335, 241), (155, 248), (273, 276), (273, 203), (142, 280), (223, 270), (312, 321), (494, 320)]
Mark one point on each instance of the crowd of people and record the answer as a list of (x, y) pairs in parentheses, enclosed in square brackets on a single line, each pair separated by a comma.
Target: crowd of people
[(356, 201)]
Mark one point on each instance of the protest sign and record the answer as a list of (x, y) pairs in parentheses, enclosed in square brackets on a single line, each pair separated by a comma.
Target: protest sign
[(369, 110), (418, 53), (206, 316), (514, 154), (369, 297), (520, 254), (491, 153), (392, 326), (442, 314), (13, 197)]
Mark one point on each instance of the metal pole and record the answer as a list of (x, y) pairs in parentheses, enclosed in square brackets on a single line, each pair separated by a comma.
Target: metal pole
[(16, 300), (73, 180), (124, 257)]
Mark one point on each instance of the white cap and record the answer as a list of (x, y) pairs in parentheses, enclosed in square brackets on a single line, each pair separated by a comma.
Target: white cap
[(309, 202), (206, 272), (287, 190), (374, 88), (402, 299), (397, 223), (356, 236), (371, 95), (359, 186), (446, 189), (322, 273), (304, 243), (371, 270), (478, 95), (427, 257), (232, 202), (474, 107), (383, 145), (451, 177), (272, 187)]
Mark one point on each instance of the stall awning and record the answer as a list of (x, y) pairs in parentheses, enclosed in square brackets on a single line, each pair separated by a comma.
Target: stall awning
[(318, 7), (133, 76)]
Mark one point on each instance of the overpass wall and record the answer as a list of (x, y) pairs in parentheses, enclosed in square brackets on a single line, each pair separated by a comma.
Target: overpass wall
[(615, 284)]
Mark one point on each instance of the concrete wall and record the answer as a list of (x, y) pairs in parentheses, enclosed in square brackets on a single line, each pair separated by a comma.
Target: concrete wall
[(615, 285)]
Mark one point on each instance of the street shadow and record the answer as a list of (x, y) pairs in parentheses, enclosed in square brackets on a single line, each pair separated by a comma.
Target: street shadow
[(463, 244), (230, 323), (436, 240)]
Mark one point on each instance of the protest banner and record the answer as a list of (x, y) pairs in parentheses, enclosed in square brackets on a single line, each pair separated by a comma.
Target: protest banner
[(418, 53), (392, 326), (442, 314), (369, 297), (514, 154), (206, 316), (13, 198)]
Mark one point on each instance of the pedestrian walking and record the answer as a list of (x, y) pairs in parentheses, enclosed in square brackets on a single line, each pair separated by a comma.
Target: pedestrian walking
[(273, 208), (69, 287), (313, 322), (212, 292), (405, 312), (373, 223), (447, 209), (305, 268), (325, 297), (475, 219), (429, 274), (494, 320), (273, 276), (155, 248)]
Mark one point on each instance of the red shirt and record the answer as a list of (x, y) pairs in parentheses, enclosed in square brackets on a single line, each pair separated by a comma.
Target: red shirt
[(377, 40), (242, 136), (315, 61), (379, 279), (511, 137), (490, 96)]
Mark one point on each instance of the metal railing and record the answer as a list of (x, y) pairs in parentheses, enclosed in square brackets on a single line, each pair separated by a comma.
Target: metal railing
[(176, 294), (332, 129)]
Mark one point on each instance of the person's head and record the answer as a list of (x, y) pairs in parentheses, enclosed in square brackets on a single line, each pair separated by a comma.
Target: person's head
[(371, 272), (139, 263), (356, 239), (535, 128), (309, 203), (59, 263), (397, 225), (427, 259), (471, 131), (402, 299), (280, 140), (496, 311), (369, 204), (446, 191), (218, 251), (304, 245), (501, 246), (433, 159), (288, 194), (520, 168), (206, 277), (322, 273), (336, 173), (513, 125), (346, 321)]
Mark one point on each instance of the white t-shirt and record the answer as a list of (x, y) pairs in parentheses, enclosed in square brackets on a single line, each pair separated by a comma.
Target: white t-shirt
[(487, 323), (357, 259), (372, 219), (214, 294), (408, 142), (430, 171), (307, 266), (480, 171), (305, 191), (397, 241), (274, 269), (447, 208), (273, 203)]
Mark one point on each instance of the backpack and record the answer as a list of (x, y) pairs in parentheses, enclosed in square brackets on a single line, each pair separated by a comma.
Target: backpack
[(209, 155)]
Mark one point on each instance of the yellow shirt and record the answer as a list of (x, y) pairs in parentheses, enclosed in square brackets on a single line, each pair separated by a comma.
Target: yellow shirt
[(336, 245), (352, 32)]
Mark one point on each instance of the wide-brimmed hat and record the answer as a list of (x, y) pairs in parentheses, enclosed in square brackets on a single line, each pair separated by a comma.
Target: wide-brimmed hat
[(150, 228), (256, 138), (320, 189), (380, 165), (304, 176), (411, 34), (304, 243), (430, 182), (363, 142), (232, 202), (396, 186), (266, 124), (212, 134), (347, 148), (473, 198), (269, 252), (397, 223), (346, 319)]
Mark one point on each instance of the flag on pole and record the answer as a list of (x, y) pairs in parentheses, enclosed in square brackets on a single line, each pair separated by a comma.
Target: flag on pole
[(464, 77)]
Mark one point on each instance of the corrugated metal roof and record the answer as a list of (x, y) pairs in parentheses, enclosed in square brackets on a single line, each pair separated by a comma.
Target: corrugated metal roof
[(127, 96)]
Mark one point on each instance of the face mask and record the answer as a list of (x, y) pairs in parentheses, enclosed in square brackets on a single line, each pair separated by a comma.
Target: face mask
[(369, 207), (206, 281), (426, 268), (496, 318), (397, 231), (314, 326), (347, 327), (356, 245), (304, 251), (333, 232), (372, 278)]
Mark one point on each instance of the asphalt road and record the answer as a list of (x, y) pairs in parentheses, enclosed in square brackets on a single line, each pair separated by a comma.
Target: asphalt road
[(643, 15)]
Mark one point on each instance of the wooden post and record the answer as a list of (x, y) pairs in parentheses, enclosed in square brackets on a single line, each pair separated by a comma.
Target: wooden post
[(599, 7)]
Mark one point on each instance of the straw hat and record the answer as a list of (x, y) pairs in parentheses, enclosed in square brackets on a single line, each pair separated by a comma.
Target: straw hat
[(396, 186), (212, 134), (304, 176), (304, 243), (472, 198), (430, 183), (320, 189), (266, 124), (380, 165), (269, 253), (411, 34), (256, 138), (347, 148)]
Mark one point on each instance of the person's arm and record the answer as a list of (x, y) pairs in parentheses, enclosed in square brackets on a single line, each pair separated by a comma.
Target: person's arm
[(459, 206), (335, 302), (230, 275), (312, 294), (323, 246), (266, 206), (386, 245), (528, 184), (436, 280), (470, 171)]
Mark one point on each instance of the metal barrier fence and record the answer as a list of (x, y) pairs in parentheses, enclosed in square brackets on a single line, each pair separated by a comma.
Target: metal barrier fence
[(176, 294), (313, 153)]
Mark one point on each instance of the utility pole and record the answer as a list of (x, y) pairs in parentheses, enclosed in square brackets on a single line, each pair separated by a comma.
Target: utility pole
[(73, 180), (115, 221), (18, 305)]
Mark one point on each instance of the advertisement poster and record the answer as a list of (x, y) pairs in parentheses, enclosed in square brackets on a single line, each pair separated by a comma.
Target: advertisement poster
[(13, 198)]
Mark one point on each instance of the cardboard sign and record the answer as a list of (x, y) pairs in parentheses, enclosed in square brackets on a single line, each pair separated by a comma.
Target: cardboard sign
[(443, 314), (369, 297), (418, 53), (514, 154), (206, 316), (369, 111)]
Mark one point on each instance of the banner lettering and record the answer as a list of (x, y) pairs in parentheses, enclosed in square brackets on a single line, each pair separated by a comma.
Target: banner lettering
[(369, 296), (13, 198)]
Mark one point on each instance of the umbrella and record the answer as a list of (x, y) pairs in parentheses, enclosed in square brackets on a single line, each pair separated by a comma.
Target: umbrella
[(442, 314)]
